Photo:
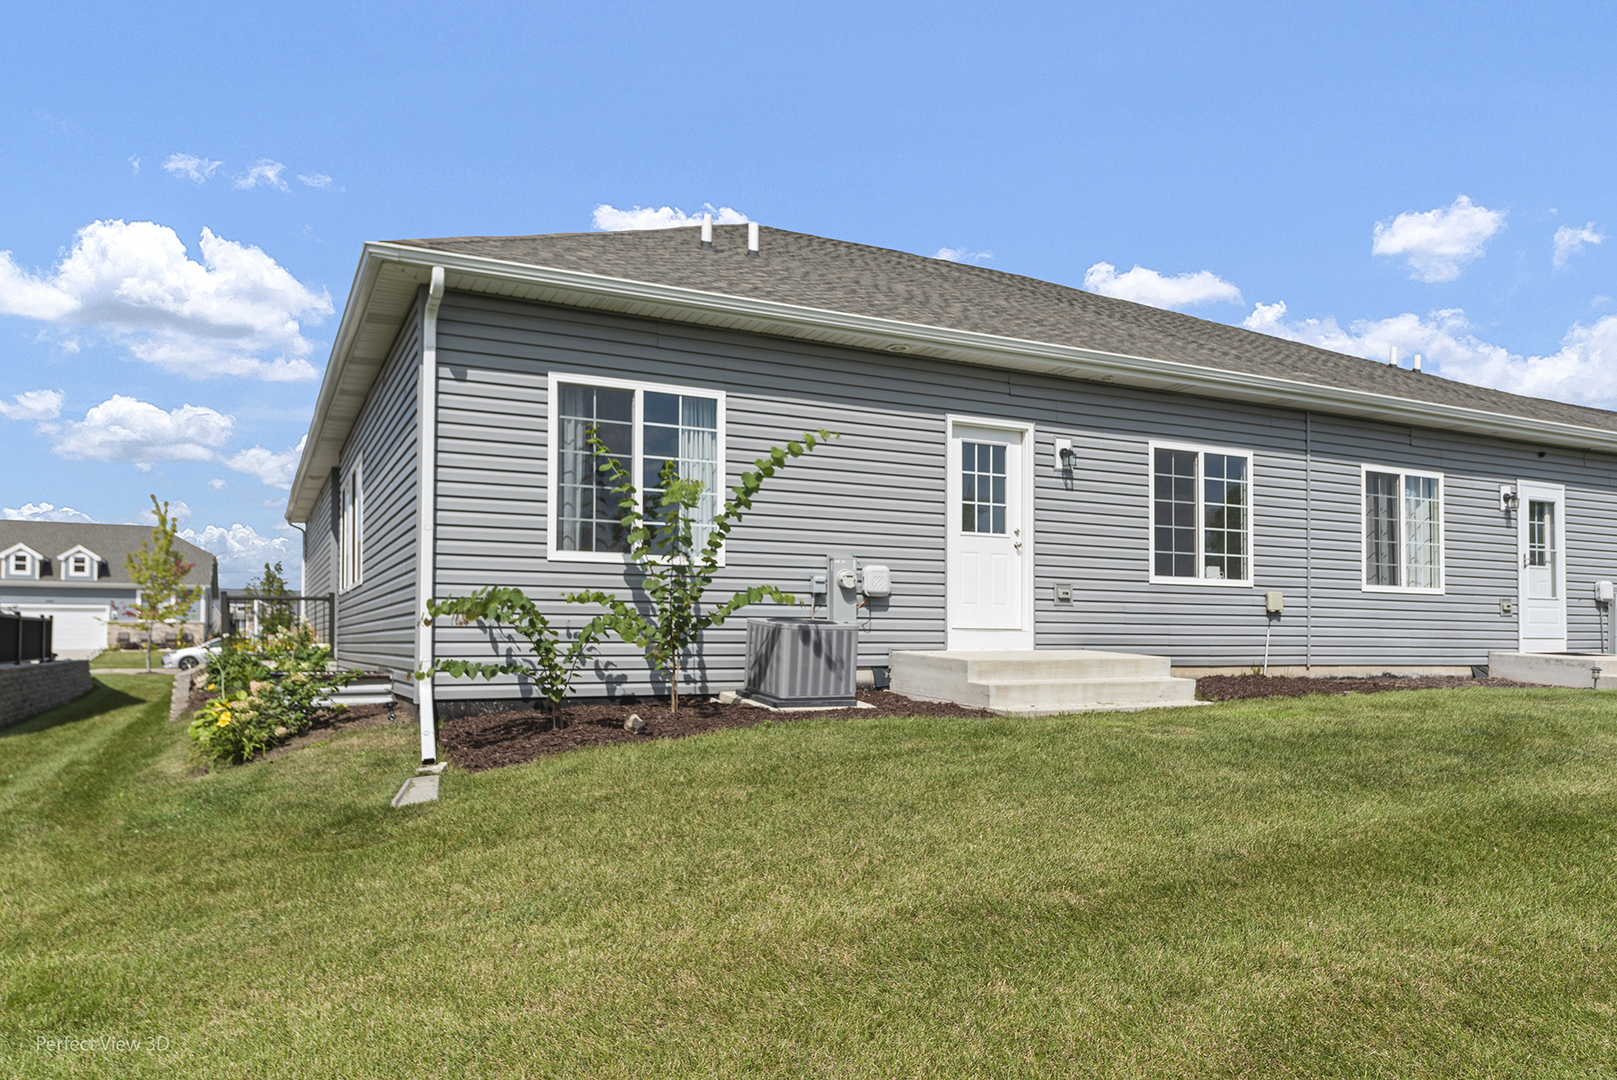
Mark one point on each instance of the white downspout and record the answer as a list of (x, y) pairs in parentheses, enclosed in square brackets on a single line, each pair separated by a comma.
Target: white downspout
[(426, 468)]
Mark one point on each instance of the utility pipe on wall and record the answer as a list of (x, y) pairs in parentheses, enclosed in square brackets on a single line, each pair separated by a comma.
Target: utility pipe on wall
[(426, 470)]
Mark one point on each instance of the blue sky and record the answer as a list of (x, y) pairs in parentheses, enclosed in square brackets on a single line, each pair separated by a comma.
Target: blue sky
[(184, 189)]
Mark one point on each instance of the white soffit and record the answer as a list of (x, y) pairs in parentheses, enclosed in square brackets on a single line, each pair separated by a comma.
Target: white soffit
[(390, 275)]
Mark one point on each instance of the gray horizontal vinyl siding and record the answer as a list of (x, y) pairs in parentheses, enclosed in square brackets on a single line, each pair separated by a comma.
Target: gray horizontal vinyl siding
[(878, 492), (376, 619), (875, 492), (319, 547)]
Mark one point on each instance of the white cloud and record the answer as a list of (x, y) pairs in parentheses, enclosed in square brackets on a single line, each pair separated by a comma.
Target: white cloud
[(1437, 243), (610, 219), (43, 511), (272, 469), (266, 173), (962, 255), (1570, 241), (315, 180), (198, 170), (34, 405), (134, 164), (216, 484), (1583, 371), (126, 429), (1149, 287), (242, 552), (179, 510), (234, 313)]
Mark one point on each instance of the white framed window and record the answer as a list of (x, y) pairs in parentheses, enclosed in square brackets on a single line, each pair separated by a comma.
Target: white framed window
[(351, 536), (19, 563), (643, 426), (1402, 534), (1201, 514)]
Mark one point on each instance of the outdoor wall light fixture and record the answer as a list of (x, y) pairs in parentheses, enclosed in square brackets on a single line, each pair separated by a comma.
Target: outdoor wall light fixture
[(1065, 455), (1508, 499)]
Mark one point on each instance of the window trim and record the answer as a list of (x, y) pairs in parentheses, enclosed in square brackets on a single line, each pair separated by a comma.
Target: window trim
[(1403, 570), (1201, 450), (552, 452), (351, 529)]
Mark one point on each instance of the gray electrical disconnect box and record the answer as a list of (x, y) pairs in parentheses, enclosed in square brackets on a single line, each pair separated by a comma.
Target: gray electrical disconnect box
[(841, 590), (1274, 601), (802, 663)]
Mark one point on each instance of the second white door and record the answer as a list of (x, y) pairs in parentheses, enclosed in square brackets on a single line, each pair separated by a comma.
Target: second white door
[(1541, 557)]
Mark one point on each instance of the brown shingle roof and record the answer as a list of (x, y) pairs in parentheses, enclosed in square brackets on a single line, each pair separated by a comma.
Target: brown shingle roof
[(833, 275)]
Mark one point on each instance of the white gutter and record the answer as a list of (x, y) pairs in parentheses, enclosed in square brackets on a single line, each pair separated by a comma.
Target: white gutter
[(426, 502)]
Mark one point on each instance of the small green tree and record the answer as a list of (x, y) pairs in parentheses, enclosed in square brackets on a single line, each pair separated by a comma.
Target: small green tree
[(554, 662), (275, 615), (158, 571), (675, 572)]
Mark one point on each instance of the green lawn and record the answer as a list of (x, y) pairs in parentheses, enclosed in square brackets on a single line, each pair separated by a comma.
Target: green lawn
[(1414, 884), (127, 658)]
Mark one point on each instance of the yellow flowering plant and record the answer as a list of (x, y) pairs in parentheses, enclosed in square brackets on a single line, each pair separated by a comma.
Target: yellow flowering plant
[(266, 690)]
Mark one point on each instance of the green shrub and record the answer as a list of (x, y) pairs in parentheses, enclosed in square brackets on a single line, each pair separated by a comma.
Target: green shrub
[(265, 692)]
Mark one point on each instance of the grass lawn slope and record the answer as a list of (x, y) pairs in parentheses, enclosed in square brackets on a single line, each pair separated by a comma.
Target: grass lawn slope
[(1405, 884)]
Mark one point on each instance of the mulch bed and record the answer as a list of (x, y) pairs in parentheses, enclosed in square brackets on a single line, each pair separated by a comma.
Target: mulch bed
[(511, 737), (1236, 687)]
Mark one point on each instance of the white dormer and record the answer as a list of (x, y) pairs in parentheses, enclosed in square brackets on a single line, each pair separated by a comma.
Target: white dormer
[(20, 561), (78, 564)]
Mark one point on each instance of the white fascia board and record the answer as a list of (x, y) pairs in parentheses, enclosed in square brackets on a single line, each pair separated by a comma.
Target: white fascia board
[(313, 464), (472, 273)]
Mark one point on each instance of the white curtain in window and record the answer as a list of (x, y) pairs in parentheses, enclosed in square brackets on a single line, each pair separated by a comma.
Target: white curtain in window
[(1421, 554), (699, 457)]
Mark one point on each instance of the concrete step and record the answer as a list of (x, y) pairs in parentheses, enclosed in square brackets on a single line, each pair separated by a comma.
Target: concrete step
[(1586, 671), (1040, 681), (1058, 694)]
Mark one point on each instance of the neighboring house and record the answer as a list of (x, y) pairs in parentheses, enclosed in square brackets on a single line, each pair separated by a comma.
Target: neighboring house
[(75, 572), (1039, 466)]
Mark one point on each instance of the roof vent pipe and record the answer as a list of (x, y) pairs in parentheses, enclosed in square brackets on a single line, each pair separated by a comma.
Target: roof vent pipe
[(752, 239), (707, 232), (1393, 361), (1417, 361)]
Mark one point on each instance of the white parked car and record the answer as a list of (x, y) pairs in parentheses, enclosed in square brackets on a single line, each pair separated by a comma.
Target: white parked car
[(190, 658)]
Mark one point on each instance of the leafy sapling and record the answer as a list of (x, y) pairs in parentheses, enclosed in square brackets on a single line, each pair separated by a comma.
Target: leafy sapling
[(676, 571), (553, 662), (158, 570)]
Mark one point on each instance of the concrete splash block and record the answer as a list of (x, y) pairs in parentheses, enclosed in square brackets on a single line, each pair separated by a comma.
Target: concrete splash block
[(417, 789), (1584, 671)]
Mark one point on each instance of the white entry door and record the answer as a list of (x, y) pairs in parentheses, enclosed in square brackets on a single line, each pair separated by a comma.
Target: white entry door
[(1541, 557), (990, 538)]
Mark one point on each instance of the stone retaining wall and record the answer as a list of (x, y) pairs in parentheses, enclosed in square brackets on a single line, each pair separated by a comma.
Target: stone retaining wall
[(29, 689)]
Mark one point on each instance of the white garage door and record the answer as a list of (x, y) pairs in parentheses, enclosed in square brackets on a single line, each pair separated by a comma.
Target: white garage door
[(78, 630)]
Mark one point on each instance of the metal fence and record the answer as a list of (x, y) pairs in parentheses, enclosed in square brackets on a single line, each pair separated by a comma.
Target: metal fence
[(25, 638), (249, 615)]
